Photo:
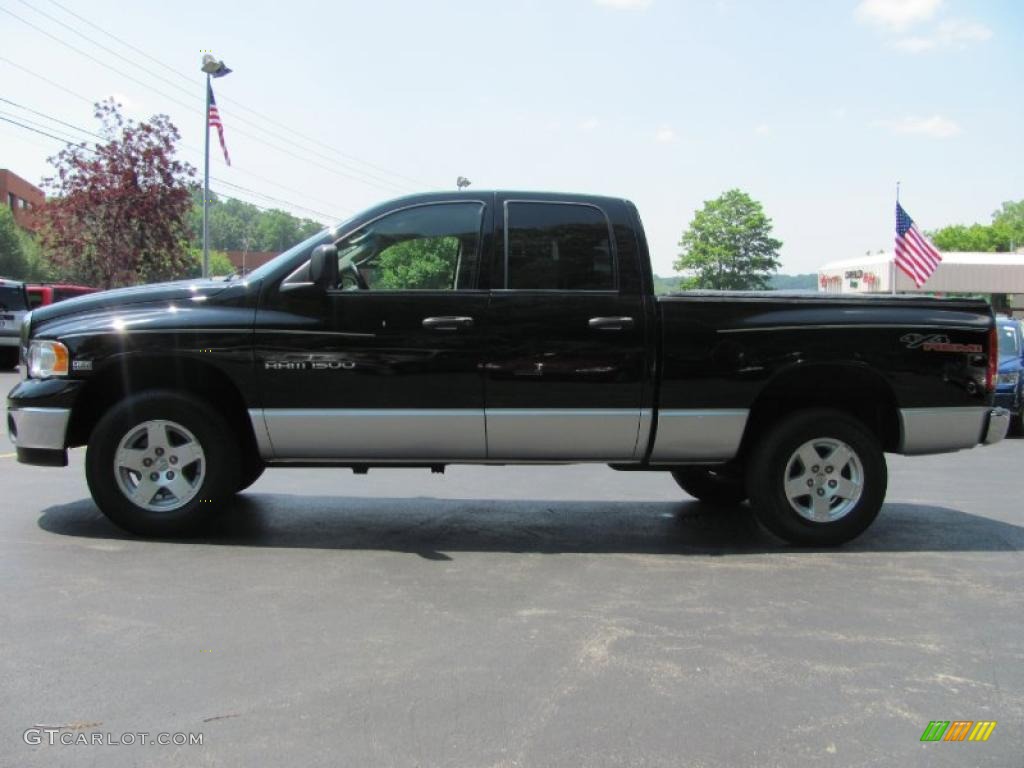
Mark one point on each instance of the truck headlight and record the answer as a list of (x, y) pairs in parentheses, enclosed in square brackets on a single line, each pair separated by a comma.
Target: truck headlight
[(1009, 379), (47, 358)]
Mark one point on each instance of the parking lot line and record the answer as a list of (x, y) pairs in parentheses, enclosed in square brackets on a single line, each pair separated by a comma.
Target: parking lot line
[(7, 455)]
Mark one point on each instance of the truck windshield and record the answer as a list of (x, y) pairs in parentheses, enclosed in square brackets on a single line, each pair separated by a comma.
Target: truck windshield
[(1009, 341), (12, 299)]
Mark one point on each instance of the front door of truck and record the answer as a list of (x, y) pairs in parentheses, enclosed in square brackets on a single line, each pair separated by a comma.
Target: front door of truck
[(384, 366), (566, 364)]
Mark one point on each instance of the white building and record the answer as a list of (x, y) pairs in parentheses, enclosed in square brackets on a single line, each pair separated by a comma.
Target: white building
[(958, 272)]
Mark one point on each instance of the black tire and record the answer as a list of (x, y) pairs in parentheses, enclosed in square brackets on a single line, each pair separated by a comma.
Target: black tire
[(219, 463), (774, 460), (713, 485), (1017, 424), (8, 358)]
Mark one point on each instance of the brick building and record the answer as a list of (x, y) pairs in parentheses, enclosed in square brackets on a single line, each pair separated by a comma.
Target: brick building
[(21, 197), (247, 261)]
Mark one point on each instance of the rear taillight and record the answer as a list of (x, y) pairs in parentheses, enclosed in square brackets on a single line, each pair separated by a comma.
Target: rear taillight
[(992, 370)]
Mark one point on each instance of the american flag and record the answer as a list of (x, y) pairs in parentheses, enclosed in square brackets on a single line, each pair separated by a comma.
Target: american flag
[(213, 121), (915, 255)]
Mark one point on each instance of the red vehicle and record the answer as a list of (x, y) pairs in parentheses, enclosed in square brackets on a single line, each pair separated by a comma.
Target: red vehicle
[(50, 293)]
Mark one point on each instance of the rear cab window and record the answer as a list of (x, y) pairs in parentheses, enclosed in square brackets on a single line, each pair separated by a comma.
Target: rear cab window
[(555, 246), (12, 298)]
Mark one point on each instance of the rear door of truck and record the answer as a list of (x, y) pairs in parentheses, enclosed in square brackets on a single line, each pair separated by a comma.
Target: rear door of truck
[(566, 365)]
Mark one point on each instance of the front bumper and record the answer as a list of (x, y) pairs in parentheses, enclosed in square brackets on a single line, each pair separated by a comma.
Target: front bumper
[(38, 415), (997, 426)]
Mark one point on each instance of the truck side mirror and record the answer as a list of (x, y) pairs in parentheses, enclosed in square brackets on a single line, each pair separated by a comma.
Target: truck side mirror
[(323, 266)]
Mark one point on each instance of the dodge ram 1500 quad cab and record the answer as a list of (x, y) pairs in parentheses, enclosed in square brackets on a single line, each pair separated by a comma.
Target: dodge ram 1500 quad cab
[(499, 328)]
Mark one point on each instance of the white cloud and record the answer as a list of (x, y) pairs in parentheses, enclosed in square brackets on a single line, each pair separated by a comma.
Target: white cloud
[(953, 33), (665, 135), (839, 113), (896, 14), (934, 127), (590, 125), (625, 5), (763, 129)]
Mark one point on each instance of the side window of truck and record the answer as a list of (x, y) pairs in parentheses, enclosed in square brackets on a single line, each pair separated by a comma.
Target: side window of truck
[(429, 247), (557, 246)]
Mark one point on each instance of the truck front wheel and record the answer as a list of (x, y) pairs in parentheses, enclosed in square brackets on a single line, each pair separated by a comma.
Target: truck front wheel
[(712, 485), (817, 478), (159, 463)]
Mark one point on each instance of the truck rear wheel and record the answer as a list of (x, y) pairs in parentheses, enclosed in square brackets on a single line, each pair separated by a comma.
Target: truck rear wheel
[(160, 463), (818, 478), (712, 485)]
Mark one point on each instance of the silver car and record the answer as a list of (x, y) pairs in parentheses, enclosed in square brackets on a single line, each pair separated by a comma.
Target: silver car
[(13, 307)]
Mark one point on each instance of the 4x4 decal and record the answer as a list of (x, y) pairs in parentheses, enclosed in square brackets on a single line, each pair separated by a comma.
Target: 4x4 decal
[(937, 342)]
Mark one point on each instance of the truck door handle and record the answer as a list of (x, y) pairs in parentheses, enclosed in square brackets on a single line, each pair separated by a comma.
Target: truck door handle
[(611, 323), (447, 323)]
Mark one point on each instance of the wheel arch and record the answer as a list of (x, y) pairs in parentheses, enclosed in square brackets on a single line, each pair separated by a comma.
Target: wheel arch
[(128, 375), (855, 389)]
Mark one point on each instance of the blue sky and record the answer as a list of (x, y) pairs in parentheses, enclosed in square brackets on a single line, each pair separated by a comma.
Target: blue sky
[(815, 109)]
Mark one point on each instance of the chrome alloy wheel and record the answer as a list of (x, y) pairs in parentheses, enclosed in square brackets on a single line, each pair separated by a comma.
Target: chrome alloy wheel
[(159, 466), (824, 480)]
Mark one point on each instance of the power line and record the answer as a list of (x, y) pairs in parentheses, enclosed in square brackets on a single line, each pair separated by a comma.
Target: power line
[(193, 82), (51, 118), (188, 146), (55, 84), (64, 140), (125, 43), (188, 91), (42, 126), (380, 184), (36, 130)]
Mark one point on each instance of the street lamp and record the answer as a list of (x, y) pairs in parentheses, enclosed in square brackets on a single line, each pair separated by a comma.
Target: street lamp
[(213, 67)]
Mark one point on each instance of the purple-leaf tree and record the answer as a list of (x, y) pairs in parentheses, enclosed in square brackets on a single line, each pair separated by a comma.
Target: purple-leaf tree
[(118, 209)]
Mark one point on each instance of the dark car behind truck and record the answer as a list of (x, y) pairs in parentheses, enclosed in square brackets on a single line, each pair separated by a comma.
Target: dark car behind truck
[(499, 328)]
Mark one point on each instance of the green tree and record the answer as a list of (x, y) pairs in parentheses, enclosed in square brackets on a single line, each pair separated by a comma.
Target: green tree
[(220, 264), (14, 262), (1009, 222), (427, 263), (235, 225), (976, 237), (729, 245)]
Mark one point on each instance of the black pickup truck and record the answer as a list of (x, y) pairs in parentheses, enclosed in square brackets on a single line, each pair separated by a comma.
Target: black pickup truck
[(498, 328)]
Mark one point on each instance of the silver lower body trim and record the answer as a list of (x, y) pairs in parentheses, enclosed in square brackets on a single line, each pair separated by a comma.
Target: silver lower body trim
[(9, 341), (942, 430), (601, 434), (699, 434), (452, 435), (43, 428), (381, 434)]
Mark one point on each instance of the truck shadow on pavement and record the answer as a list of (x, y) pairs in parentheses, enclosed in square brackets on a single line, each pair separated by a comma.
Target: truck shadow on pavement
[(429, 527)]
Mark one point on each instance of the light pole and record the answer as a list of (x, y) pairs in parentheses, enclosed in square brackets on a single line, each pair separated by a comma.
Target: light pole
[(213, 68)]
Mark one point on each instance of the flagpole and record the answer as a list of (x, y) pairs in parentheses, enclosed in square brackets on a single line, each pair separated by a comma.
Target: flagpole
[(206, 180), (892, 266)]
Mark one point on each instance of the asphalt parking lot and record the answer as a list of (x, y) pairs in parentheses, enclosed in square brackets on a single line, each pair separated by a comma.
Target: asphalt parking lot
[(514, 617)]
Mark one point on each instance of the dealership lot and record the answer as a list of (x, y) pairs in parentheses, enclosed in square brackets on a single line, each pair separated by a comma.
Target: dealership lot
[(515, 616)]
